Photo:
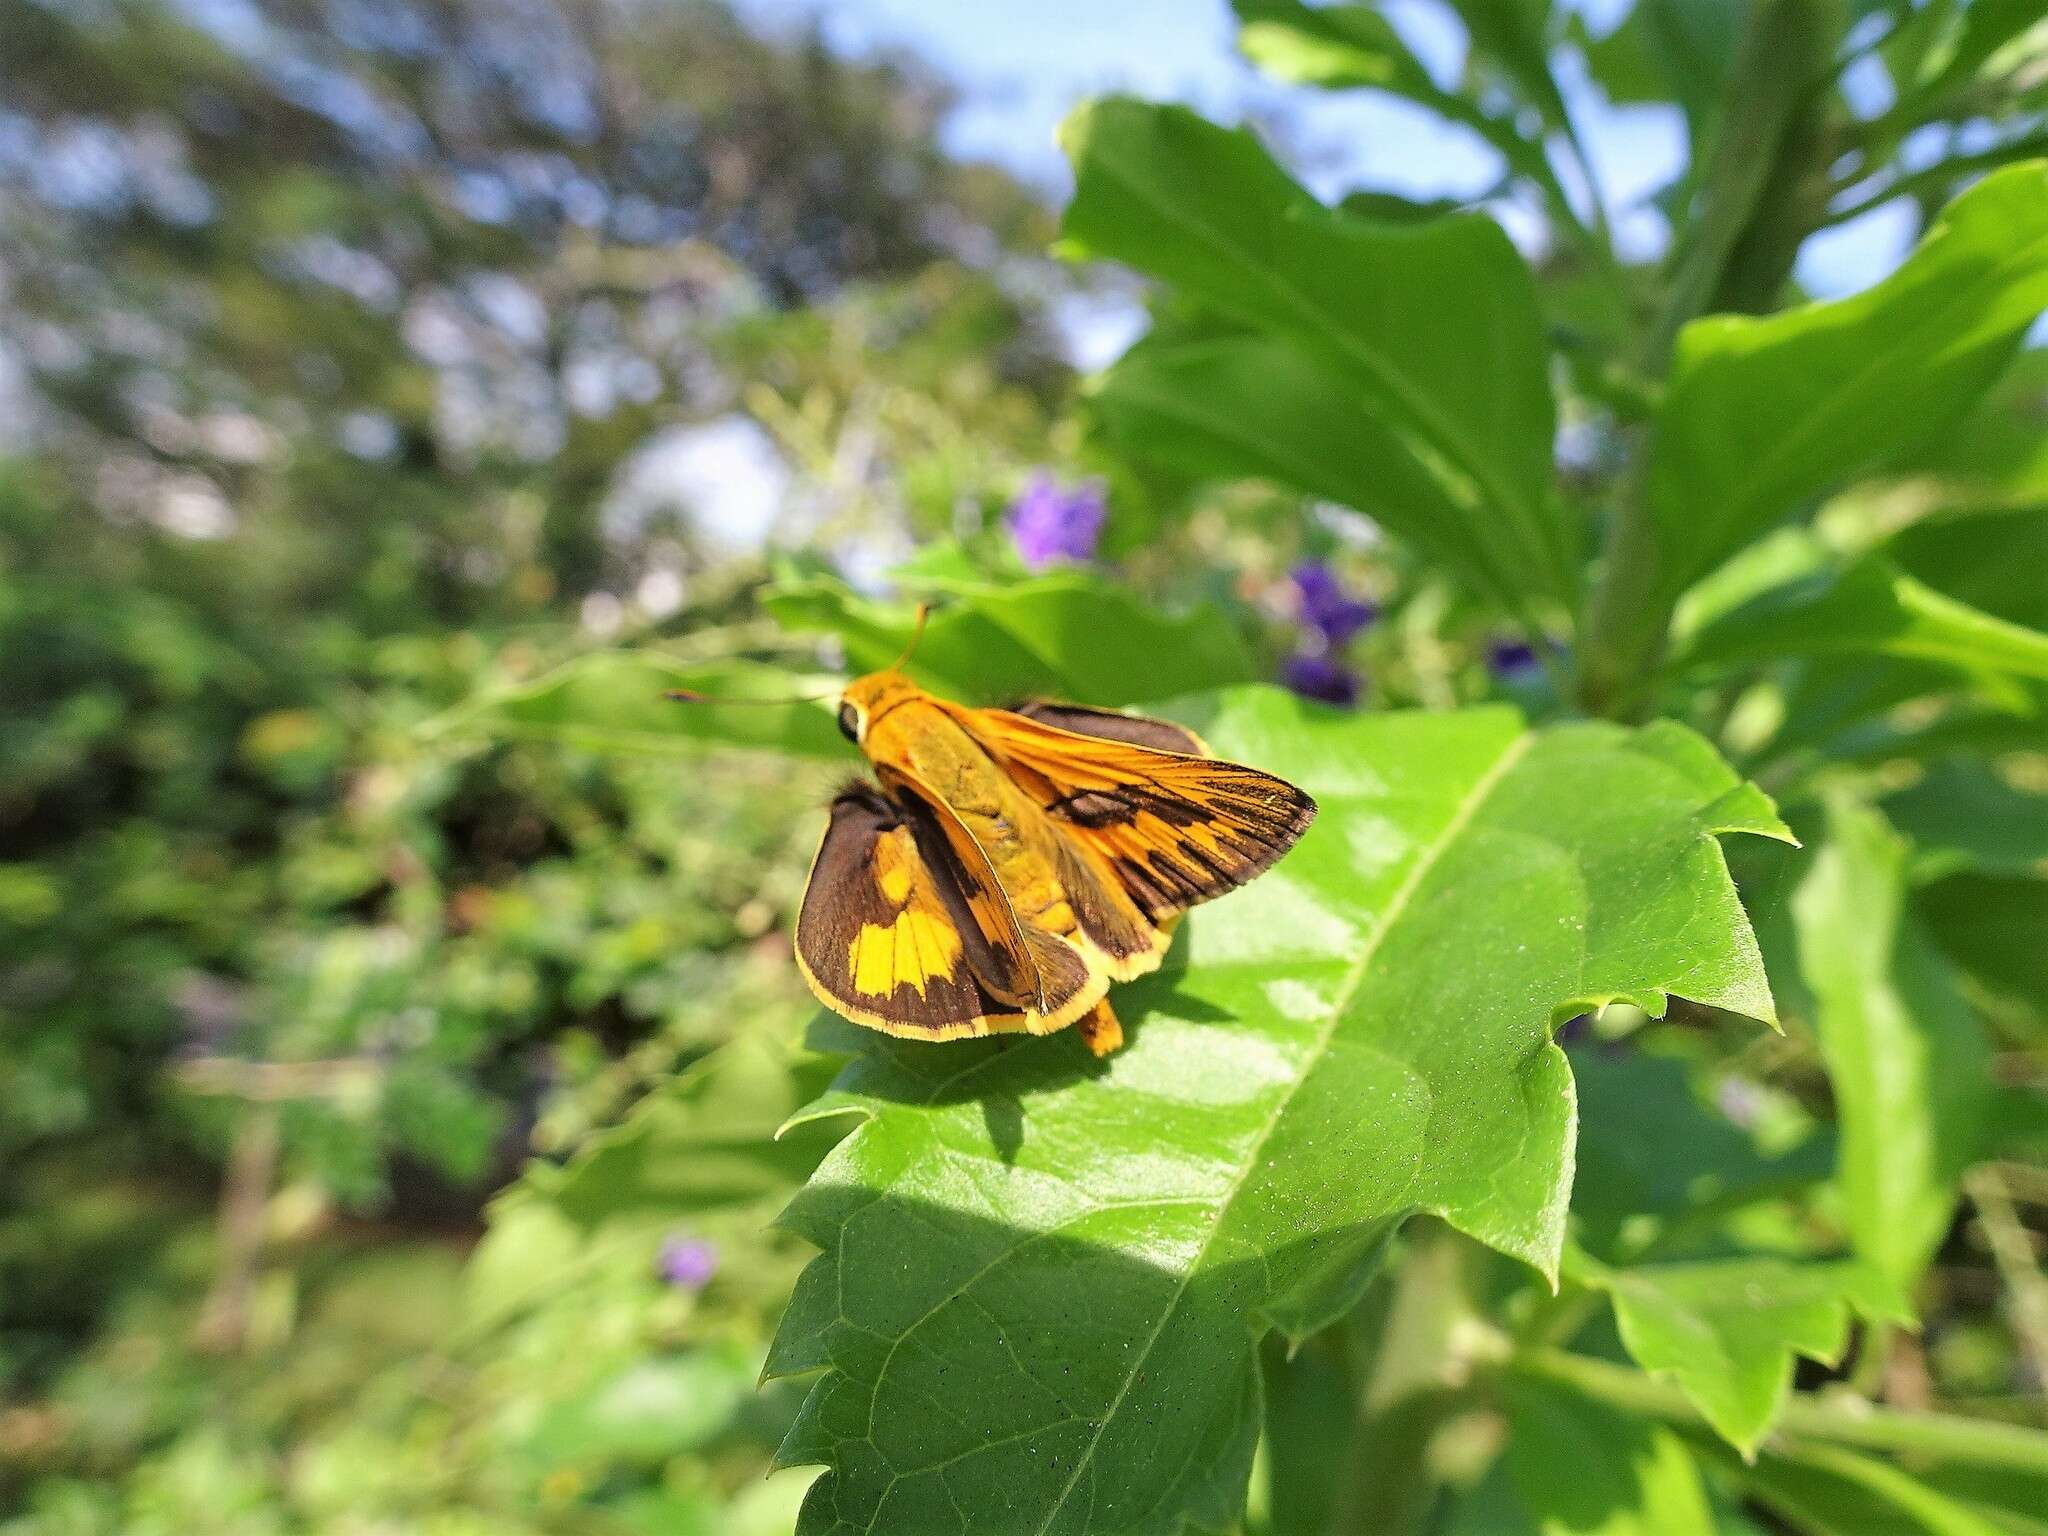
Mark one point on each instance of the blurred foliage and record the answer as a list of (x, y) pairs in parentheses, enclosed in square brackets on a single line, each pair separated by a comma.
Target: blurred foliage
[(395, 1014), (353, 339)]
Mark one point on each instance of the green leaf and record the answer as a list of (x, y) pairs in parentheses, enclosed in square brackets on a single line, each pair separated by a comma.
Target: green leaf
[(1829, 1492), (1044, 1278), (2014, 1501), (1867, 607), (1311, 1417), (1992, 928), (1978, 33), (1355, 47), (652, 1410), (1582, 1468), (1965, 814), (1990, 557), (704, 1141), (1873, 709), (1071, 635), (1907, 1059), (1251, 405), (1512, 39), (1999, 446), (1650, 1150), (1726, 1330), (1764, 414), (1463, 389), (1670, 49), (616, 701), (702, 1144)]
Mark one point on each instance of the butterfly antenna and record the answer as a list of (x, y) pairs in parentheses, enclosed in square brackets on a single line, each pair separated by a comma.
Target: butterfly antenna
[(692, 696), (924, 611)]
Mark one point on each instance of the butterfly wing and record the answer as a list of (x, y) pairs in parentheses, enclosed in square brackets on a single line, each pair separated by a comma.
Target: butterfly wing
[(1114, 725), (1171, 825), (891, 932), (1028, 966)]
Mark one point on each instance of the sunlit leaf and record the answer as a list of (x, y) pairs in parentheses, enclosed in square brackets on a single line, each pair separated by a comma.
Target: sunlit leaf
[(1044, 1278), (1763, 414), (1868, 607), (1905, 1056), (1241, 405), (1070, 635), (1463, 389)]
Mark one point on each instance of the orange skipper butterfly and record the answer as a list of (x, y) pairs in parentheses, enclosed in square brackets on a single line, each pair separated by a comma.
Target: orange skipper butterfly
[(1011, 863)]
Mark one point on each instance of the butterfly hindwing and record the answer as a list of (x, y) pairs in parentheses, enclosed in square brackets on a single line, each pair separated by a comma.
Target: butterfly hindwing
[(1027, 967), (891, 932)]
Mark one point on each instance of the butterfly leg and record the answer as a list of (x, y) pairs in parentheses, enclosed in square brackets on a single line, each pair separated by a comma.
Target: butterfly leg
[(1100, 1031)]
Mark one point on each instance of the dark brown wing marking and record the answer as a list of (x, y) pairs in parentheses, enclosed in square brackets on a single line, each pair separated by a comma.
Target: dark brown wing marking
[(882, 939), (1114, 725)]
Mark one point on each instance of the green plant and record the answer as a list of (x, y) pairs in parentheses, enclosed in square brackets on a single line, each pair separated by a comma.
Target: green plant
[(1357, 1235)]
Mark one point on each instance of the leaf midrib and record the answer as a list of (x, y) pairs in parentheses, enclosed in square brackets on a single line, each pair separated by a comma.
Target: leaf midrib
[(1397, 905)]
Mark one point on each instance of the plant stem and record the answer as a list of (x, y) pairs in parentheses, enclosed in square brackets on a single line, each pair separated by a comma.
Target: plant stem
[(2026, 1288), (1754, 210), (223, 1326), (1974, 1442), (1769, 116)]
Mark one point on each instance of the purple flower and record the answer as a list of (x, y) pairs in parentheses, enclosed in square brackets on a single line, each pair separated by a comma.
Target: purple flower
[(687, 1263), (1050, 523), (1314, 675), (1511, 659), (1326, 607)]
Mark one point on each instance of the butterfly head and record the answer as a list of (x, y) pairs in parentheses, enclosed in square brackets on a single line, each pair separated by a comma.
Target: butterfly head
[(867, 699)]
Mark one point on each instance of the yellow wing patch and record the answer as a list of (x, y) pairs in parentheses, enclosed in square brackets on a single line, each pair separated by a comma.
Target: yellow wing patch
[(921, 945)]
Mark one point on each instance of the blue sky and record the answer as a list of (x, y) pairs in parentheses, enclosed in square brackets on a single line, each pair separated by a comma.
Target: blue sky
[(1022, 66)]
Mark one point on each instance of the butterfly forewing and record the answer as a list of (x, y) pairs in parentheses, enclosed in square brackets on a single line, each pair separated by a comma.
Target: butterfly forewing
[(1172, 827)]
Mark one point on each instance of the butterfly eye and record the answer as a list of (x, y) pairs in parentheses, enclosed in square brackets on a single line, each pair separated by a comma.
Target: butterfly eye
[(849, 723)]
